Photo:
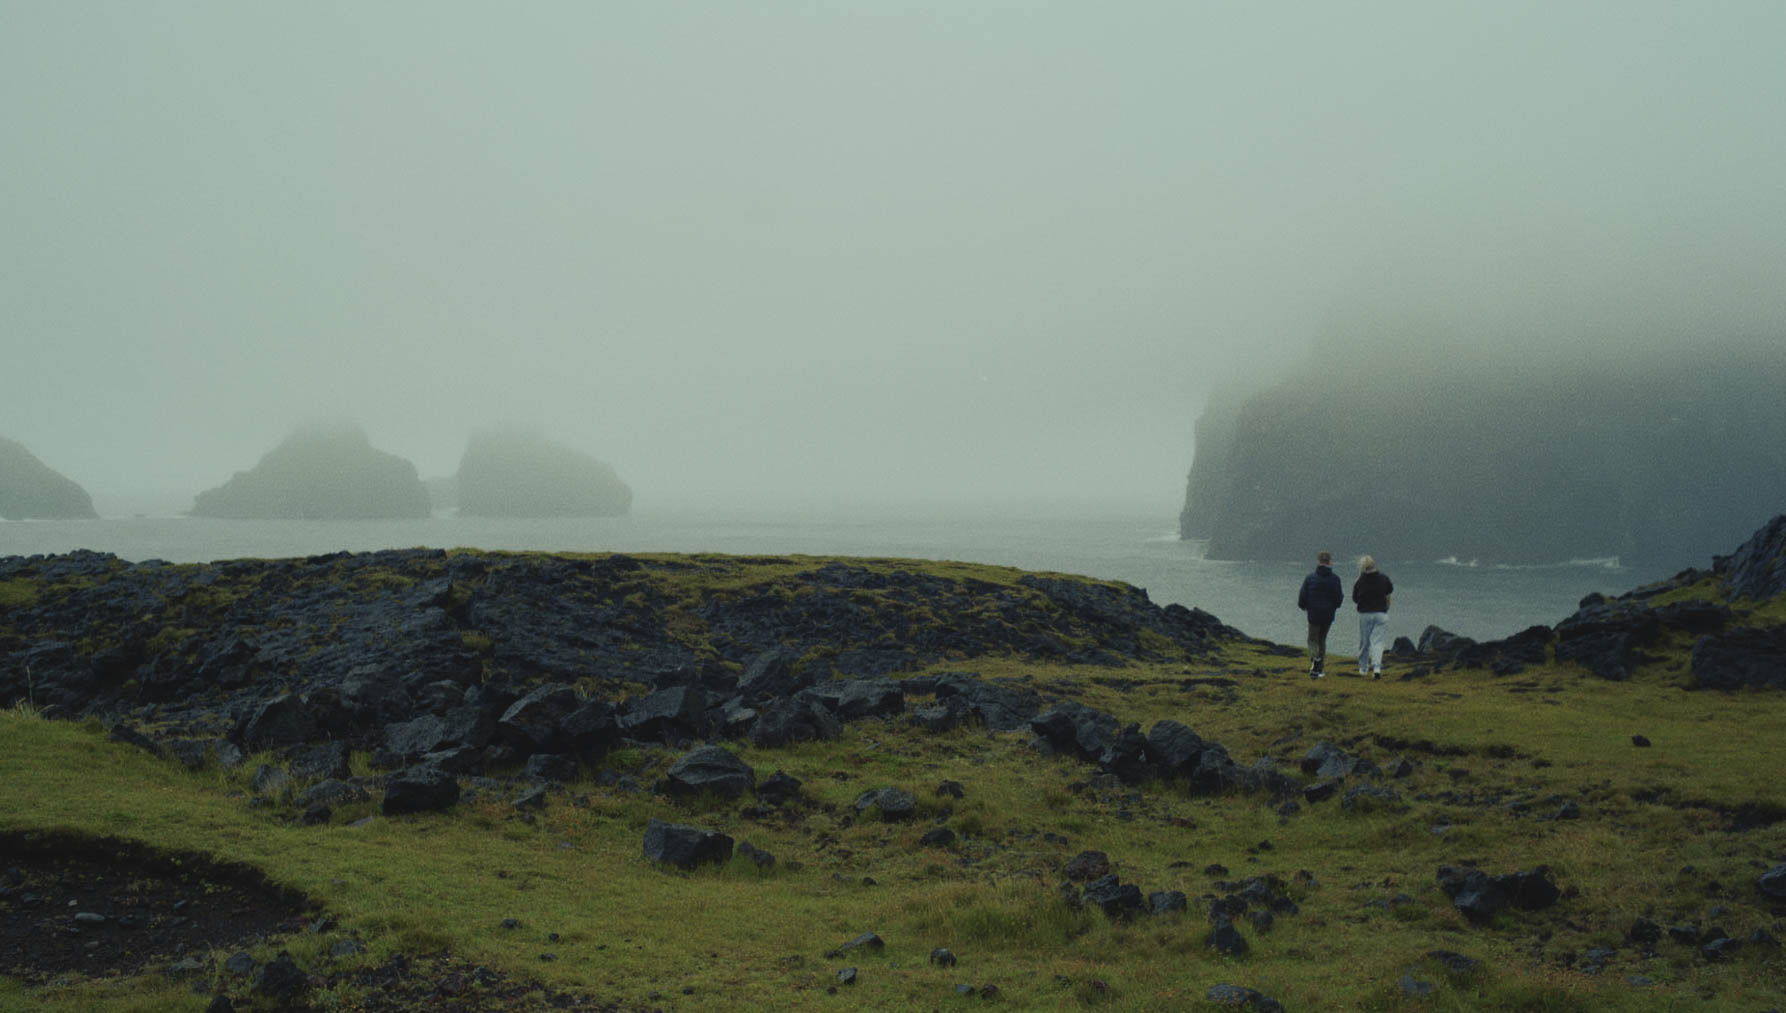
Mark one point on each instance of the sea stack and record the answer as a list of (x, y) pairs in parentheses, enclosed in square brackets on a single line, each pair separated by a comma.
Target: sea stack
[(320, 473), (516, 473), (32, 490)]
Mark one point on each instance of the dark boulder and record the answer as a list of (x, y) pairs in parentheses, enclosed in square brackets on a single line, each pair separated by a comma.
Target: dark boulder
[(326, 760), (684, 846), (893, 804), (709, 769), (798, 720), (1481, 896), (1166, 902), (1073, 729), (771, 675), (1224, 938), (664, 715), (49, 672), (1773, 882), (1741, 659), (282, 721), (549, 768), (1605, 638), (1116, 899), (937, 837), (282, 979), (531, 723), (779, 789), (1175, 747), (420, 789), (1000, 708)]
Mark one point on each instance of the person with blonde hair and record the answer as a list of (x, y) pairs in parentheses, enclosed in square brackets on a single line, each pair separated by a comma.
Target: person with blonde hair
[(1370, 592)]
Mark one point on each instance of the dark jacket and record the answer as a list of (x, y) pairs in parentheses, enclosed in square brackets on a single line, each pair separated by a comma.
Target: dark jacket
[(1371, 591), (1321, 595)]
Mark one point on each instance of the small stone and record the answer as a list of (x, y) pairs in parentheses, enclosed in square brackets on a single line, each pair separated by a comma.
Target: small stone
[(942, 957), (1640, 741), (847, 976)]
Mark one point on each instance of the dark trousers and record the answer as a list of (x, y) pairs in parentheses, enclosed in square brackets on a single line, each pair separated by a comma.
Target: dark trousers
[(1317, 646)]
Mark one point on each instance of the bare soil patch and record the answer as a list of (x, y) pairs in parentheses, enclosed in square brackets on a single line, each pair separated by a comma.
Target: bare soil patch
[(84, 907)]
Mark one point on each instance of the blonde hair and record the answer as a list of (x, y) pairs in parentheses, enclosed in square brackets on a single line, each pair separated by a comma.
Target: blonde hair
[(1367, 564)]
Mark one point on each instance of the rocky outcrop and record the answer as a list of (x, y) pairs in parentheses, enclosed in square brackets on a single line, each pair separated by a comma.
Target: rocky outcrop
[(320, 474), (508, 473), (1757, 569), (32, 490), (1648, 460), (456, 660)]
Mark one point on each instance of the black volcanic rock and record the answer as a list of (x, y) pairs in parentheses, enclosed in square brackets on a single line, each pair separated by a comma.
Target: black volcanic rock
[(507, 473), (320, 474), (32, 490)]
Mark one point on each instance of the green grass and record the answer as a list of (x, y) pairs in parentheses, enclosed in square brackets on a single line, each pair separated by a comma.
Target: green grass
[(1494, 755)]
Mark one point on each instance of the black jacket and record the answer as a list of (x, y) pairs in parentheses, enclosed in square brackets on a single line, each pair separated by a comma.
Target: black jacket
[(1372, 591), (1321, 595)]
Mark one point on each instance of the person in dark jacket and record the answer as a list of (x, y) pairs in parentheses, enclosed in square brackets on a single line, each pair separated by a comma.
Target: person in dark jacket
[(1370, 592), (1321, 596)]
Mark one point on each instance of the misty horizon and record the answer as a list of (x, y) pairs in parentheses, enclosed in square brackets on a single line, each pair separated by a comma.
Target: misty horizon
[(875, 254)]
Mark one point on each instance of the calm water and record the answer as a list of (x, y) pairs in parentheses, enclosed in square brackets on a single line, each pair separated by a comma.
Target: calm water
[(1144, 550)]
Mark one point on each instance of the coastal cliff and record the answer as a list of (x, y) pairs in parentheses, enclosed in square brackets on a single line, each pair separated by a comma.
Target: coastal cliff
[(32, 490), (1647, 460)]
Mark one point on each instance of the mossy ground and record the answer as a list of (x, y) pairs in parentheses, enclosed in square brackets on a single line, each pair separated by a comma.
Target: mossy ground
[(1666, 832)]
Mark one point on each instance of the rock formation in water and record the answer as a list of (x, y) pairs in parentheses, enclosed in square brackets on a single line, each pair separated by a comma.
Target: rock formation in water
[(1647, 460), (32, 490), (509, 473), (320, 474)]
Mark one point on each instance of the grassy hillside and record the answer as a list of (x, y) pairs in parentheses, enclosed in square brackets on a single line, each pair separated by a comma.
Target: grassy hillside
[(1505, 774)]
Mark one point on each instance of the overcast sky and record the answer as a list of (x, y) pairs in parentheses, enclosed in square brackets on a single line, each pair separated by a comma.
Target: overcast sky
[(960, 250)]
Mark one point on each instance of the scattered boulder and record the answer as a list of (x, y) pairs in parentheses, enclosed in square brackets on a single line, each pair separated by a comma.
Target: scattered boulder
[(281, 721), (685, 847), (421, 788), (1087, 865), (798, 720), (1116, 899), (709, 769), (894, 804), (779, 789), (1224, 938), (1773, 882), (1481, 896)]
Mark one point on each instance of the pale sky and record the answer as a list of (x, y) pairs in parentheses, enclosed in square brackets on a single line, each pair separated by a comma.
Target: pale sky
[(815, 251)]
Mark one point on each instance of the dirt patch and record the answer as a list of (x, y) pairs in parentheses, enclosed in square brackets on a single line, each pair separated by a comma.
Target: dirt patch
[(85, 907)]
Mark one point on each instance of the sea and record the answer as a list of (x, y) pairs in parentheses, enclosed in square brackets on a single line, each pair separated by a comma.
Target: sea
[(1466, 597)]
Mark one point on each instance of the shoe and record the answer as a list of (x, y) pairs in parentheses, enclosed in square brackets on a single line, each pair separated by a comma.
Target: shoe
[(1377, 675), (1317, 674)]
